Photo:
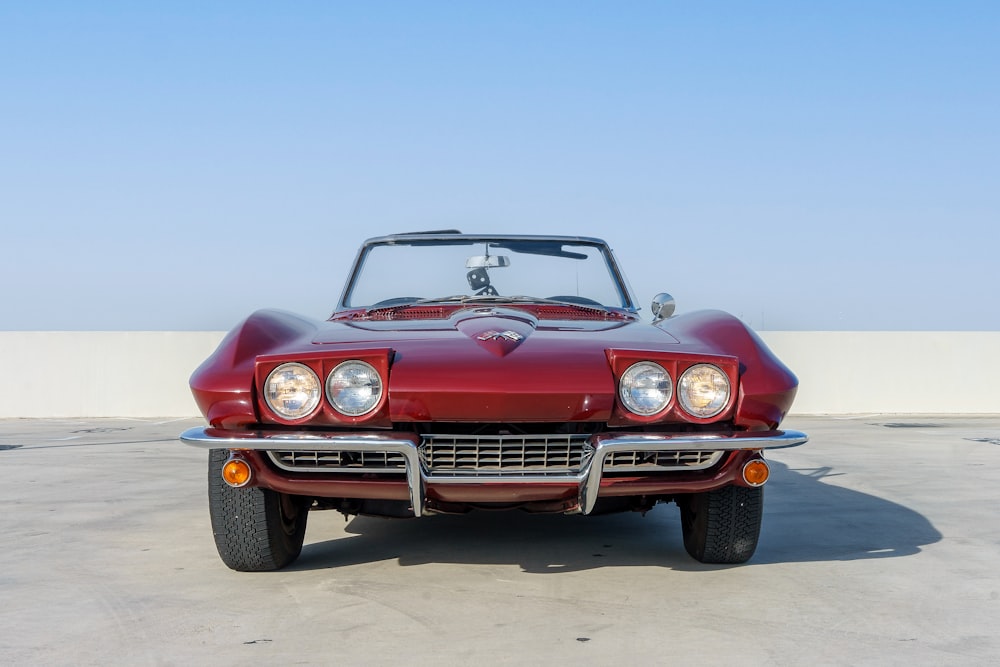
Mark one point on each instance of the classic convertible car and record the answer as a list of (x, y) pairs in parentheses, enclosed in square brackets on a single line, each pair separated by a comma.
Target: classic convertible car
[(470, 371)]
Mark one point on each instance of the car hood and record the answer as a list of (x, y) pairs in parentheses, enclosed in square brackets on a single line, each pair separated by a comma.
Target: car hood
[(500, 364), (497, 364)]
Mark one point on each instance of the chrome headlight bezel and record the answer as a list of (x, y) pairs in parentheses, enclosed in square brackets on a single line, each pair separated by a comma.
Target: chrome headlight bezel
[(346, 386), (310, 387), (639, 386), (706, 396)]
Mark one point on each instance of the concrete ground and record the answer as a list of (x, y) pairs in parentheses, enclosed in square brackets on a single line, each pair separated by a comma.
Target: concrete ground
[(881, 545)]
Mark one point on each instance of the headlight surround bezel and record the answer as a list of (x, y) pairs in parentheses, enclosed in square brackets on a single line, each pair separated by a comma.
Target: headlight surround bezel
[(626, 387), (368, 406), (712, 408), (313, 402)]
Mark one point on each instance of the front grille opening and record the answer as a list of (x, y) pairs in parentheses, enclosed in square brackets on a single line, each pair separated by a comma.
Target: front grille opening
[(638, 461), (498, 450), (342, 461), (472, 454)]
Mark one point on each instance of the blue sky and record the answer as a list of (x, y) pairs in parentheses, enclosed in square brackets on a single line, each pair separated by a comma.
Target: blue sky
[(179, 165)]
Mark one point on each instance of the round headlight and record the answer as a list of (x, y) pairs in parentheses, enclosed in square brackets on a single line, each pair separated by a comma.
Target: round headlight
[(703, 390), (645, 388), (354, 388), (292, 390)]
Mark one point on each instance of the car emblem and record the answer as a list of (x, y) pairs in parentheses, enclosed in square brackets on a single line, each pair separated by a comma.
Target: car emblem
[(500, 335)]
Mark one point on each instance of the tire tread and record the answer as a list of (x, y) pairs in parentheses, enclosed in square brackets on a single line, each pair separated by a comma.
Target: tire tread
[(723, 526), (248, 525)]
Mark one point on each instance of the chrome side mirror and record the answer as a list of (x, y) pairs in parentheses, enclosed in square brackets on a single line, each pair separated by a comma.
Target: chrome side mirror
[(663, 306)]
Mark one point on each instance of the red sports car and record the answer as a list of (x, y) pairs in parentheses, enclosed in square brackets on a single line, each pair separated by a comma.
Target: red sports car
[(464, 371)]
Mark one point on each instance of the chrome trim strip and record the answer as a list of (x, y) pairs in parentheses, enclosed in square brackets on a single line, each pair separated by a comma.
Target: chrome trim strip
[(588, 479), (206, 438), (708, 441), (591, 484)]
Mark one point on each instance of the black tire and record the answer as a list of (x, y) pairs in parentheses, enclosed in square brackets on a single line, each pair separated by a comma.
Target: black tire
[(255, 529), (722, 526)]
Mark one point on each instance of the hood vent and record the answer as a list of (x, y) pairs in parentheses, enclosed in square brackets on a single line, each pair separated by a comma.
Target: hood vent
[(577, 313), (416, 313)]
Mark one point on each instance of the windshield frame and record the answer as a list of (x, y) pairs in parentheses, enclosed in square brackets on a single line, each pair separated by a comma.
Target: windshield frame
[(453, 238)]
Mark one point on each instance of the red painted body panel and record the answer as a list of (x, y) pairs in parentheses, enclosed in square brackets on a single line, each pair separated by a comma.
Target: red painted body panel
[(462, 365), (559, 372), (767, 386)]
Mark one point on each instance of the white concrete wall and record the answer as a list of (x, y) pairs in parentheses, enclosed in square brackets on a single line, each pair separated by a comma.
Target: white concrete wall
[(100, 373), (851, 372), (145, 374)]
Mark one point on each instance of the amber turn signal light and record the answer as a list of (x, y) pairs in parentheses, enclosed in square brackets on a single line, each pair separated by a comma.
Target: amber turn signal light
[(237, 472), (756, 472)]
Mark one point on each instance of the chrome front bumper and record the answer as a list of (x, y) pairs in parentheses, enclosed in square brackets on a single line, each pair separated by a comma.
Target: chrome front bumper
[(588, 479)]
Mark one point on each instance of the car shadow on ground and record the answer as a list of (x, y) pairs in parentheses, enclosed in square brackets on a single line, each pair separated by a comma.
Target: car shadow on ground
[(805, 519)]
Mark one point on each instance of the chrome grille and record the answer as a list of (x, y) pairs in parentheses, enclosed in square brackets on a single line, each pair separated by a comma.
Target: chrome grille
[(498, 455), (638, 461), (342, 461), (505, 454)]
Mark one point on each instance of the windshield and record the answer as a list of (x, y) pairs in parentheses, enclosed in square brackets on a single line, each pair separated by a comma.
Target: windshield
[(400, 272)]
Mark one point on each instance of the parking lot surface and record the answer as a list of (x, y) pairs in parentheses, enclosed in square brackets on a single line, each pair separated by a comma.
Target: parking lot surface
[(880, 545)]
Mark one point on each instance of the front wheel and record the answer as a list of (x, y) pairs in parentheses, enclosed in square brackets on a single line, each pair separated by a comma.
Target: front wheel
[(255, 529), (722, 526)]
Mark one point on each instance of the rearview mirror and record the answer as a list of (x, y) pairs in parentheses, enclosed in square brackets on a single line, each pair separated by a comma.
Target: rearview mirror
[(487, 261)]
